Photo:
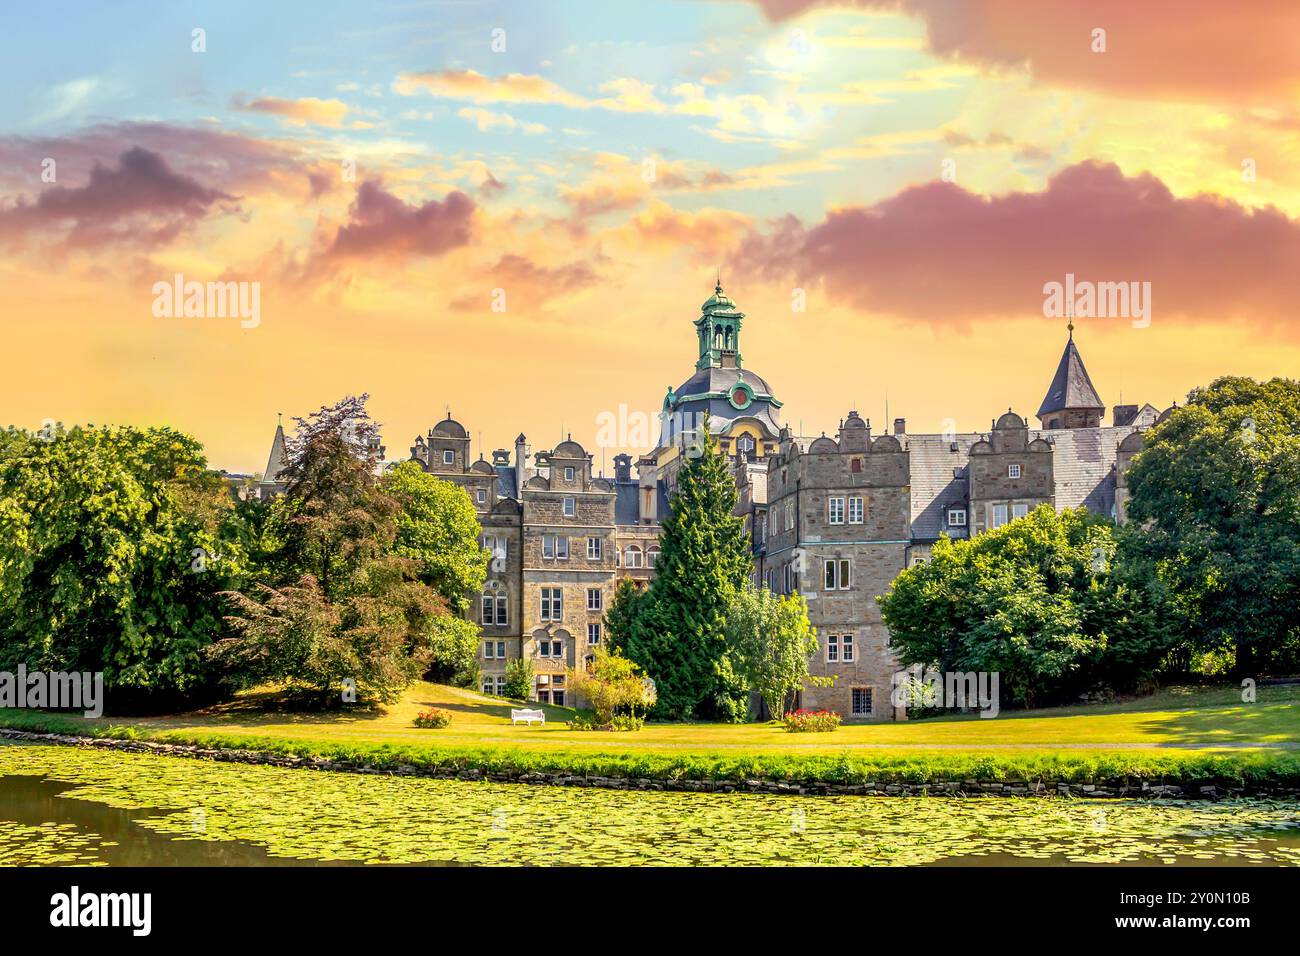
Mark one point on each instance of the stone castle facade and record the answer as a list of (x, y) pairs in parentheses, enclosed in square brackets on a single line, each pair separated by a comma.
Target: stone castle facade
[(832, 517)]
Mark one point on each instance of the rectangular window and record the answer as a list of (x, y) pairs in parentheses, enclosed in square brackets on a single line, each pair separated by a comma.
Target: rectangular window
[(855, 510), (501, 686), (502, 617), (593, 633), (1019, 511), (846, 648), (861, 706), (487, 617), (594, 597), (835, 510), (489, 650), (557, 698), (957, 517), (837, 575), (832, 649), (568, 474), (789, 514), (552, 604), (1013, 471), (570, 507), (788, 579), (562, 547), (488, 686), (481, 495), (855, 465), (595, 549), (999, 515), (548, 546), (449, 458)]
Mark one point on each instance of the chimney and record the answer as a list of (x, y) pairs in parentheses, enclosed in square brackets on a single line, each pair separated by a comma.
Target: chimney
[(623, 468), (500, 457), (900, 426), (521, 464)]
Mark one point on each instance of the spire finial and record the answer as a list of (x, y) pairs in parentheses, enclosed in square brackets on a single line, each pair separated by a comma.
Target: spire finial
[(1070, 325), (279, 419), (717, 286)]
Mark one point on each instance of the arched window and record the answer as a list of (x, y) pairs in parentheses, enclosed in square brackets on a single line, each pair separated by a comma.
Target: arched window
[(652, 557), (632, 557)]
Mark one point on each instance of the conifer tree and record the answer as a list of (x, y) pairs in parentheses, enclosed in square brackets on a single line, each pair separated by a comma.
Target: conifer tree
[(679, 636)]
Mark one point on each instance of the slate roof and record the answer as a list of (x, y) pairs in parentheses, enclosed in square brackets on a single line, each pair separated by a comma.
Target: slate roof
[(1071, 387), (275, 462), (627, 503), (506, 481), (1083, 468)]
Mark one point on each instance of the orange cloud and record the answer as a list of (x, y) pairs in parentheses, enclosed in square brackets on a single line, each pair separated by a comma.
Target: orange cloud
[(308, 109), (1195, 49), (474, 86)]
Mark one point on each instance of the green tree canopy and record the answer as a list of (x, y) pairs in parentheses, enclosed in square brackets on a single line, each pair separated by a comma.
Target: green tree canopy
[(114, 545), (770, 640), (1038, 601), (437, 526), (679, 635), (1217, 489)]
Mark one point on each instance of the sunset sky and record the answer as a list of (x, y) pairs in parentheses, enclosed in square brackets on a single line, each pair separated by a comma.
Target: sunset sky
[(919, 168)]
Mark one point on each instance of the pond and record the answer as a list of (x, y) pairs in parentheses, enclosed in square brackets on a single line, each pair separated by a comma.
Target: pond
[(69, 806)]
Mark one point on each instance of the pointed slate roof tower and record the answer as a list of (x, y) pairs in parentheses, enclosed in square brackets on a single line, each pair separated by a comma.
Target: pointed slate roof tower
[(276, 461), (1071, 400)]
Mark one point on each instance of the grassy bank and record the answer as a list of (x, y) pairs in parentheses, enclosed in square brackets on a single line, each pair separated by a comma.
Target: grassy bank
[(1177, 737)]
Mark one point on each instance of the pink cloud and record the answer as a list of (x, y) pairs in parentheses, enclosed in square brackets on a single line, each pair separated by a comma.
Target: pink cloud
[(937, 253), (383, 226), (140, 202)]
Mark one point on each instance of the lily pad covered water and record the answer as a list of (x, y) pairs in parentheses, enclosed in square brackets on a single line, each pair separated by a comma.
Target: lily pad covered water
[(61, 805)]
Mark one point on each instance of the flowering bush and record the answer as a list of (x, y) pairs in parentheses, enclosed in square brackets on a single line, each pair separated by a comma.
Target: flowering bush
[(811, 721), (433, 717)]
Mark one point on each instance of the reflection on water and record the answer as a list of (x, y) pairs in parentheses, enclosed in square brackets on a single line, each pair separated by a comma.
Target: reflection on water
[(61, 805)]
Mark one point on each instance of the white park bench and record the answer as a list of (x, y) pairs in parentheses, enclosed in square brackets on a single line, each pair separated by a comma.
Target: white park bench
[(527, 716)]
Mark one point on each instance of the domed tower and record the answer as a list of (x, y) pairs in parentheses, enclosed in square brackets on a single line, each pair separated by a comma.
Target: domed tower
[(739, 404)]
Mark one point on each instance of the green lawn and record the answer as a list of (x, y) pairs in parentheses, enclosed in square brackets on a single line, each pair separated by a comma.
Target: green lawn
[(1173, 720)]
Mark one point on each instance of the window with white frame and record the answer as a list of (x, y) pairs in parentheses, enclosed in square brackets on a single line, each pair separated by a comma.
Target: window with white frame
[(449, 458), (552, 604), (651, 557), (832, 648), (855, 510), (494, 650), (562, 547), (494, 610), (788, 576), (837, 575), (570, 507), (568, 474), (835, 510), (550, 648), (861, 702), (593, 632), (632, 557), (789, 514), (846, 648), (594, 599), (481, 495), (1019, 511), (957, 517), (999, 515), (595, 549), (489, 687), (1013, 471)]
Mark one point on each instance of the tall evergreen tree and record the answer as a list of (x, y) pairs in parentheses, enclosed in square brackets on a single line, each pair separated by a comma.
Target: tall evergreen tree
[(679, 637)]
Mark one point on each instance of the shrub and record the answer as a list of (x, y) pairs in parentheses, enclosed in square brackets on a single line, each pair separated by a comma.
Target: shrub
[(434, 717), (586, 720), (811, 721)]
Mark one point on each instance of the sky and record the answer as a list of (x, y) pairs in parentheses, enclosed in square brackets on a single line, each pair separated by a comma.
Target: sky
[(513, 211)]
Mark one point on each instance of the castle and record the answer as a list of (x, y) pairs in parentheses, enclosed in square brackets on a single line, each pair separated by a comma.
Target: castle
[(835, 518)]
